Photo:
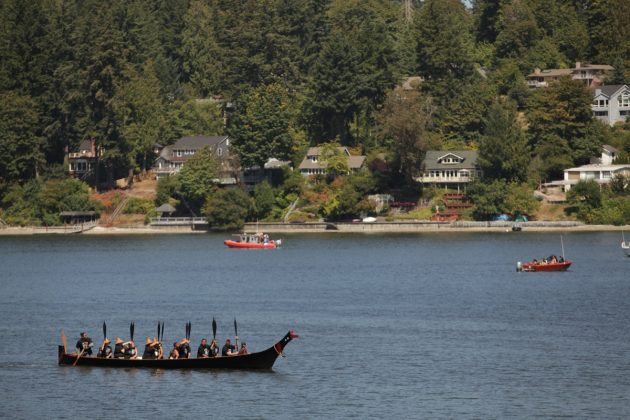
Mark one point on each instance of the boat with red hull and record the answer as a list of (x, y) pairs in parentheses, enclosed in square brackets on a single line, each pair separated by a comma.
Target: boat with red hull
[(254, 361), (542, 266), (253, 241)]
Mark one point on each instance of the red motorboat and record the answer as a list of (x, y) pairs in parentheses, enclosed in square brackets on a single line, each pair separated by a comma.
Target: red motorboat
[(253, 240), (543, 266)]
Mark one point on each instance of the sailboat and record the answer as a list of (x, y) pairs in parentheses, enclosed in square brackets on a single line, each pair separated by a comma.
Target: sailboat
[(625, 245)]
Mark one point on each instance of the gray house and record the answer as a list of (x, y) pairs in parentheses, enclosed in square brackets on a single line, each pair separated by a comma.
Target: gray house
[(611, 104), (453, 169), (173, 158)]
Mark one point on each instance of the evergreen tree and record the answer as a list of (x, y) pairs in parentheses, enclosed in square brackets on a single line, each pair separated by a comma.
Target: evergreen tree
[(261, 128), (445, 46), (503, 151), (21, 149)]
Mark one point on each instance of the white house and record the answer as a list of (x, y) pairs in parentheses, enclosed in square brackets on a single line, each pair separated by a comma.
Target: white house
[(449, 168), (602, 174), (611, 104), (609, 154)]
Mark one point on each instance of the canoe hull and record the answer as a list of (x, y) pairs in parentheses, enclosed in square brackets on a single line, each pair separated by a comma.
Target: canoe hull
[(563, 266), (263, 360), (237, 244)]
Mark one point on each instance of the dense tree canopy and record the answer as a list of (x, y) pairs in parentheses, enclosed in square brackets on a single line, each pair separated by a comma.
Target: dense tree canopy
[(299, 73)]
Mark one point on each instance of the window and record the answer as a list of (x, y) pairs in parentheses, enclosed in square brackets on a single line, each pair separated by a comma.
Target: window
[(624, 100), (178, 153), (624, 113), (219, 151), (601, 113)]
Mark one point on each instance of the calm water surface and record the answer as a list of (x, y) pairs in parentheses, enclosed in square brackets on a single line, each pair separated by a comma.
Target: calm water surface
[(414, 326)]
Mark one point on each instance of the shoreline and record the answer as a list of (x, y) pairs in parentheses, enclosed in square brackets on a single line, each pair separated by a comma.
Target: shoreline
[(334, 228)]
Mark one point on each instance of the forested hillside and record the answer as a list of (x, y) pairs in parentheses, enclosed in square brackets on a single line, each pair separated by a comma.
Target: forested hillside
[(131, 73)]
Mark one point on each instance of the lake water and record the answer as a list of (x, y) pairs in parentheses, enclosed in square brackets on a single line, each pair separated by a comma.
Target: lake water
[(397, 326)]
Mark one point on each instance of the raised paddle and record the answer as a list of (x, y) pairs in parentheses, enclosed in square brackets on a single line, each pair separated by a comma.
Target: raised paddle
[(236, 334), (63, 341), (132, 327), (214, 329), (162, 338), (104, 331)]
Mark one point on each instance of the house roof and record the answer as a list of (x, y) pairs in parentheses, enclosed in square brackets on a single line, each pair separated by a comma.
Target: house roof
[(610, 149), (86, 145), (197, 142), (598, 167), (551, 73), (354, 162), (469, 159), (165, 208), (593, 67), (608, 90)]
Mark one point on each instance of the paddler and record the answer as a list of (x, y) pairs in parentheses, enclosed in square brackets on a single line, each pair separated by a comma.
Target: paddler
[(105, 350), (159, 351), (119, 350), (149, 350), (204, 351), (184, 349), (84, 345)]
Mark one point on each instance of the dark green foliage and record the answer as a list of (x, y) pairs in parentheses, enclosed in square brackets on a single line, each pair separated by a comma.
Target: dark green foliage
[(585, 193), (261, 127), (445, 47), (197, 178), (167, 187), (503, 150), (488, 199), (263, 199), (21, 149), (39, 203), (228, 209)]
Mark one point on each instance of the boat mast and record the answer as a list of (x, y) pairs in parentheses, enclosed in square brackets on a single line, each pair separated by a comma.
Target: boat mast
[(562, 244)]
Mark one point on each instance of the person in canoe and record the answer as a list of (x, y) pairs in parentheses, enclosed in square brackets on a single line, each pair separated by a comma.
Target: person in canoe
[(151, 351), (119, 350), (214, 347), (184, 349), (204, 350), (158, 346), (228, 349), (174, 354), (105, 350), (84, 345), (130, 350), (243, 349)]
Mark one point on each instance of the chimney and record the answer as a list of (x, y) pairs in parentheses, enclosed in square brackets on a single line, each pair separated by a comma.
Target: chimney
[(577, 64), (597, 92), (93, 147), (536, 70)]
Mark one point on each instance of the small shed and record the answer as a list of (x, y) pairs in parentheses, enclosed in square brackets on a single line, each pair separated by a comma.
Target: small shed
[(78, 217), (165, 210)]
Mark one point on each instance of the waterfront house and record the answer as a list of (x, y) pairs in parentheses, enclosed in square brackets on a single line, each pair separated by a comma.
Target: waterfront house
[(611, 104), (271, 171), (449, 169), (592, 75), (312, 165), (82, 162), (173, 158), (600, 173)]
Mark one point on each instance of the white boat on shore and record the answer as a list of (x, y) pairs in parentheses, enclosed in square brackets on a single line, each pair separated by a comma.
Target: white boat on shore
[(625, 246)]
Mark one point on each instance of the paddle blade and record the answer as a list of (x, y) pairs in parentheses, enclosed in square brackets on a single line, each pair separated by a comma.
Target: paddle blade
[(131, 330), (162, 338), (63, 341), (214, 328), (235, 328), (104, 330)]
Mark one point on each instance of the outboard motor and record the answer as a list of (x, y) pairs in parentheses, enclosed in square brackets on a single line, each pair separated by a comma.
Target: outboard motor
[(278, 242), (519, 266)]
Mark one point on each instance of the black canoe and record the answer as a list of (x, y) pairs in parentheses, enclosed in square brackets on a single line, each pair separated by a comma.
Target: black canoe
[(261, 360)]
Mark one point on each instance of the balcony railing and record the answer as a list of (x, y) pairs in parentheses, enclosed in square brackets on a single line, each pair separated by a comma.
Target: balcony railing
[(444, 179)]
